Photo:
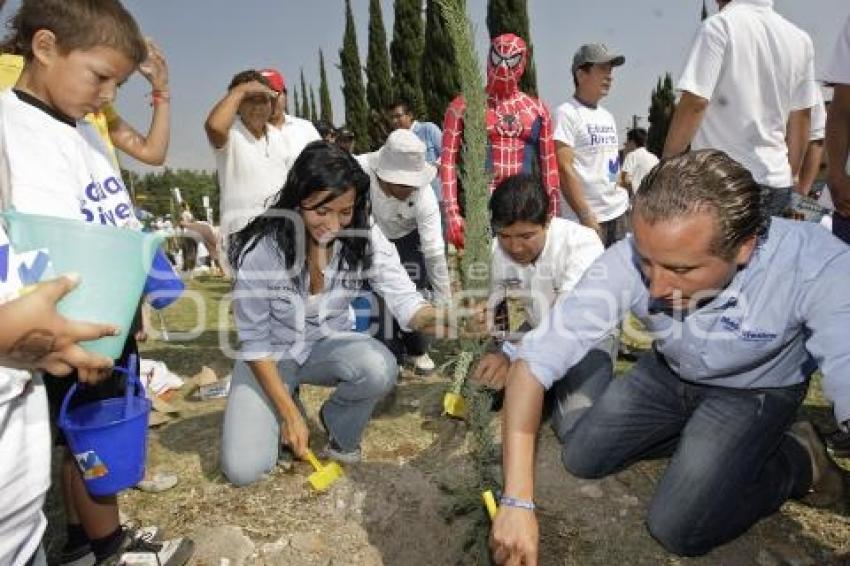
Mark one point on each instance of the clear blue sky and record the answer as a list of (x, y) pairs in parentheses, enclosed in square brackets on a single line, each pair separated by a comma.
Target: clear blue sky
[(207, 41)]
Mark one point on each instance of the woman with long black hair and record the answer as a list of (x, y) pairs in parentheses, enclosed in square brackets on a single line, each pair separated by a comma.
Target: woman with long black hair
[(297, 267)]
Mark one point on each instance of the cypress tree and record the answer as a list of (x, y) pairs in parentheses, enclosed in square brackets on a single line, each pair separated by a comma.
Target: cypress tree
[(327, 110), (661, 110), (379, 88), (305, 102), (406, 53), (511, 16), (356, 111), (314, 116), (296, 105), (704, 13), (440, 80)]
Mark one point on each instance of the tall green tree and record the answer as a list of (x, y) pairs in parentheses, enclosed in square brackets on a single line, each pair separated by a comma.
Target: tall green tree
[(379, 88), (356, 111), (661, 110), (327, 110), (406, 53), (511, 16), (296, 104), (314, 115), (704, 13), (440, 80), (305, 102)]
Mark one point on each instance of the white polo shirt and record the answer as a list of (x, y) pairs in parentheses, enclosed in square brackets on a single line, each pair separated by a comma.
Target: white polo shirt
[(398, 218), (637, 164), (297, 133), (838, 67), (250, 171), (569, 250), (592, 134), (755, 68)]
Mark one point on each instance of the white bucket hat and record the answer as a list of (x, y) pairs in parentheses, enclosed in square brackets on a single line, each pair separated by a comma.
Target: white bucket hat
[(401, 160)]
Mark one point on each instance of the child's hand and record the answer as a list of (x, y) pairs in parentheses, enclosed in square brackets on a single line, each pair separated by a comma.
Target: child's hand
[(155, 68), (34, 336)]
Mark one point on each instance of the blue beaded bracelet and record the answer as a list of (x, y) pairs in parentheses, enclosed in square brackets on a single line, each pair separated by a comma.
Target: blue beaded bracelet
[(518, 503)]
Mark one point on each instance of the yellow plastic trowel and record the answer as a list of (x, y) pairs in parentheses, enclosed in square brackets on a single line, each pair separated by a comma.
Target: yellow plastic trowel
[(325, 475), (454, 405), (490, 504)]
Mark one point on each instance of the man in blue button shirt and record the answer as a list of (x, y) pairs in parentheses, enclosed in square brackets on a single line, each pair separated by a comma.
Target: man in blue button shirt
[(743, 309)]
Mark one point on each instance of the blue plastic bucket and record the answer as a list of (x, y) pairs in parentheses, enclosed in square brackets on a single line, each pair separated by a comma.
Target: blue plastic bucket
[(112, 262), (108, 438), (362, 306)]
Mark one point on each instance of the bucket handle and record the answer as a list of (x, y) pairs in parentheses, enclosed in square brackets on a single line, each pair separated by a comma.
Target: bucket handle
[(134, 389)]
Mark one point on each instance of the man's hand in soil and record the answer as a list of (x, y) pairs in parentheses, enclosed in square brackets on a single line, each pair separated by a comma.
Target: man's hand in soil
[(514, 537), (295, 434), (35, 336), (492, 370)]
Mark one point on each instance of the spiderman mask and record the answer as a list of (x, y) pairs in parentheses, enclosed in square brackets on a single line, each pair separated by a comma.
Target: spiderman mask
[(505, 64)]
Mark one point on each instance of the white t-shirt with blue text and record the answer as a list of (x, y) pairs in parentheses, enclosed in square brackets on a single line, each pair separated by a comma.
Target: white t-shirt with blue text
[(53, 168), (592, 134)]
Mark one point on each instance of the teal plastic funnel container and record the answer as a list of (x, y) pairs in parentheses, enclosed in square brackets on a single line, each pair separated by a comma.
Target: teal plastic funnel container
[(113, 264)]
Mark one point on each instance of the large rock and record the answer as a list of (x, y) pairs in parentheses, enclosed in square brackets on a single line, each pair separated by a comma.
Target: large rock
[(226, 541)]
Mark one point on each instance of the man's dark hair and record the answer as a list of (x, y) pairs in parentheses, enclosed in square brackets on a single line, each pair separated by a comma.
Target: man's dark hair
[(705, 180), (243, 77), (518, 198), (637, 136), (586, 68), (77, 24), (400, 102)]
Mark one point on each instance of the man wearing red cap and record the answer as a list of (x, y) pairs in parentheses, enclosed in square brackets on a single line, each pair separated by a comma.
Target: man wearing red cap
[(296, 131)]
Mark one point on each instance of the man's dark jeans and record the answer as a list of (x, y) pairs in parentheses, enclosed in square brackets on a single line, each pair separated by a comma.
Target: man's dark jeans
[(731, 464), (399, 342), (841, 227)]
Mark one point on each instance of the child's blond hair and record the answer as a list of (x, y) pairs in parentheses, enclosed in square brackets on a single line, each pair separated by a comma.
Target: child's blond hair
[(77, 24)]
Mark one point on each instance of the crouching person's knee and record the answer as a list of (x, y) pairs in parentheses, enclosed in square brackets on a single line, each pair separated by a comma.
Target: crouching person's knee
[(673, 532), (380, 370), (241, 471), (583, 458)]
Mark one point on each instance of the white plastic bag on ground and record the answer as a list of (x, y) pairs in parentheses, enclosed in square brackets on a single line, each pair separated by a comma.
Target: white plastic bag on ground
[(156, 377)]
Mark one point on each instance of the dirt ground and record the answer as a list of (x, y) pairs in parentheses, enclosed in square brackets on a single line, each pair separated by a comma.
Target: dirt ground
[(404, 504)]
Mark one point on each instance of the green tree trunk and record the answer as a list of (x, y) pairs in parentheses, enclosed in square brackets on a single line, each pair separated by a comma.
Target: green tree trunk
[(406, 53), (326, 106), (511, 16), (305, 102), (440, 80), (661, 110), (379, 87), (356, 111)]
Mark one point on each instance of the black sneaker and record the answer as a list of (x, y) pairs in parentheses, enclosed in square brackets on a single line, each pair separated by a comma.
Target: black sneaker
[(838, 444), (80, 555), (827, 487), (144, 551)]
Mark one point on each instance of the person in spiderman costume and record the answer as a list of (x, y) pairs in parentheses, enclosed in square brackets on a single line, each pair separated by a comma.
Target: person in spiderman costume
[(519, 130)]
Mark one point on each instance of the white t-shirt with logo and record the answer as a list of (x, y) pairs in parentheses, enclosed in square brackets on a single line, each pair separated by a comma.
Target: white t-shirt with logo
[(755, 68), (592, 134), (637, 164), (24, 440), (569, 250), (52, 168), (250, 171)]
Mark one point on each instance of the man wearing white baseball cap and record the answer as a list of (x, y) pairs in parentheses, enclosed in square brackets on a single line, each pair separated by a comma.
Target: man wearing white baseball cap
[(410, 219)]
